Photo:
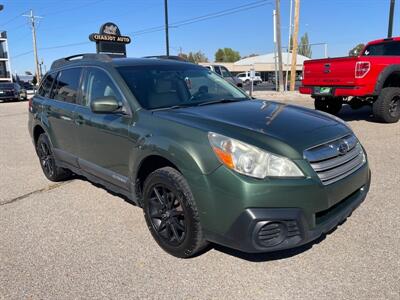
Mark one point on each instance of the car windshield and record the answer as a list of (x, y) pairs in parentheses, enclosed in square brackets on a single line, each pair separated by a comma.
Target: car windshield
[(383, 49), (6, 86), (166, 86)]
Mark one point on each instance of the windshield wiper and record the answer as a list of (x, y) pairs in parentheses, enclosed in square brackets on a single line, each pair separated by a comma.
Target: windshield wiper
[(225, 100), (172, 107)]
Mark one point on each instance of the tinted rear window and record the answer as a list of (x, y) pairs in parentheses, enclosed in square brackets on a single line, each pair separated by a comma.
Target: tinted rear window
[(45, 88), (67, 85), (383, 49)]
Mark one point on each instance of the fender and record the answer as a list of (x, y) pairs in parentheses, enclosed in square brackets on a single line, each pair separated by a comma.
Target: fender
[(186, 158), (386, 72)]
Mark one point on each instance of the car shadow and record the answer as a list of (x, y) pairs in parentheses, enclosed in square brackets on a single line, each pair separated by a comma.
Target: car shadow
[(362, 114)]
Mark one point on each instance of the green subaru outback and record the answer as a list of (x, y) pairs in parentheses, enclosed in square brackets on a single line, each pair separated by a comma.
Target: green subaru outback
[(204, 161)]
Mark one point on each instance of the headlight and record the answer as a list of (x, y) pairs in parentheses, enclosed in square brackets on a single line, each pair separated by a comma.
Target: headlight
[(250, 160)]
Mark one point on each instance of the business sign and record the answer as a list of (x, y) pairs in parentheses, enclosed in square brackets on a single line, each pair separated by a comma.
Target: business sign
[(110, 40)]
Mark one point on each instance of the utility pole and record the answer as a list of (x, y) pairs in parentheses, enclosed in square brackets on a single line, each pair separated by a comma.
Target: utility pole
[(391, 14), (289, 46), (294, 50), (278, 40), (166, 27), (276, 65), (32, 19)]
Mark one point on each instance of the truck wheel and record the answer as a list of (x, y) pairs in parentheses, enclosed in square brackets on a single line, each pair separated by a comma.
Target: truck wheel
[(329, 105), (171, 213), (48, 162), (387, 107)]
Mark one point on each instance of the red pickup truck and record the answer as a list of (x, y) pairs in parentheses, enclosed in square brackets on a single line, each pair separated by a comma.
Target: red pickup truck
[(372, 78)]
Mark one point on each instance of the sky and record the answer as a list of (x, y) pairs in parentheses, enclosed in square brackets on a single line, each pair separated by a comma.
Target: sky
[(65, 26)]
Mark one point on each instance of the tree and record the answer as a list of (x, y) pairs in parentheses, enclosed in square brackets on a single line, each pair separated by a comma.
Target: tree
[(250, 55), (304, 46), (227, 55), (356, 50), (194, 57)]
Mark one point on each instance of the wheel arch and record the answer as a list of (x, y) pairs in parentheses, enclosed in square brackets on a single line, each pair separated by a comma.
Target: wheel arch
[(388, 75), (37, 131)]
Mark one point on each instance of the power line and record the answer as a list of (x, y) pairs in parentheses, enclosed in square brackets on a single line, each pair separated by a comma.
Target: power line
[(13, 19), (176, 24)]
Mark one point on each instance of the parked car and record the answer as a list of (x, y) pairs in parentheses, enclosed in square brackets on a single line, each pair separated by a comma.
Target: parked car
[(11, 91), (204, 161), (226, 74), (246, 79), (372, 78)]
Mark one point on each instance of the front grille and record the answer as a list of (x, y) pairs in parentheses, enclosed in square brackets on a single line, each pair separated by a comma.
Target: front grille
[(337, 159)]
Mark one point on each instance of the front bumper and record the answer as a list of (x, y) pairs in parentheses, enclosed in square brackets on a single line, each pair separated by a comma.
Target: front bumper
[(267, 230), (263, 216)]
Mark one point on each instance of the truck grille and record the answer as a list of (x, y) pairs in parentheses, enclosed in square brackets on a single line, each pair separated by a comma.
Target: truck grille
[(337, 159)]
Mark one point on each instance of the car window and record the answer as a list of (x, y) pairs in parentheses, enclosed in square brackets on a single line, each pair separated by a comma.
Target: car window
[(383, 49), (67, 85), (217, 70), (225, 72), (98, 84), (45, 87), (165, 86)]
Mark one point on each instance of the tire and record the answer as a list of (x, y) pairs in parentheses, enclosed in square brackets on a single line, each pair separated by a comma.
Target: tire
[(171, 213), (247, 81), (329, 105), (387, 107), (48, 162)]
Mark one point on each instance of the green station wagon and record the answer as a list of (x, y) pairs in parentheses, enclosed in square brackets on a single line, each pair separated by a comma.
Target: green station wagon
[(205, 161)]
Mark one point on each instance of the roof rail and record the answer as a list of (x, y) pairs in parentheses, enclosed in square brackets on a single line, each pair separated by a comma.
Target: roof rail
[(86, 56), (170, 57)]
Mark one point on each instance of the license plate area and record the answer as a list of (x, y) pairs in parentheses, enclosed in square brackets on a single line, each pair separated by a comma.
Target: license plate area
[(327, 91)]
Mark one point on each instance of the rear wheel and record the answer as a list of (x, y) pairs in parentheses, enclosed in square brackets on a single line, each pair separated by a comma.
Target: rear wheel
[(387, 107), (331, 105), (48, 162), (171, 213)]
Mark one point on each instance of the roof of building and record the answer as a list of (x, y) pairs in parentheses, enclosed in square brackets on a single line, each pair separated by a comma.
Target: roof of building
[(269, 59)]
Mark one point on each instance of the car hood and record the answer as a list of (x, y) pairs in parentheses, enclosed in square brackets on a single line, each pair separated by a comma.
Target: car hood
[(265, 124)]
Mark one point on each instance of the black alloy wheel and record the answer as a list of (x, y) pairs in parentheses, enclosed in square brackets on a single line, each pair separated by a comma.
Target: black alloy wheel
[(171, 213), (48, 161), (167, 215), (394, 106), (46, 158)]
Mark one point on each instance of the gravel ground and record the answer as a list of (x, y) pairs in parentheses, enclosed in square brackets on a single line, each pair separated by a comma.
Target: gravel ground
[(76, 240)]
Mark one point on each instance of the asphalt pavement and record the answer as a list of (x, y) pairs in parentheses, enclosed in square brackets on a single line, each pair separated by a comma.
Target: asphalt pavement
[(76, 240)]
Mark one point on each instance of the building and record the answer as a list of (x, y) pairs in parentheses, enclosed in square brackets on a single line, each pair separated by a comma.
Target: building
[(265, 64), (5, 73)]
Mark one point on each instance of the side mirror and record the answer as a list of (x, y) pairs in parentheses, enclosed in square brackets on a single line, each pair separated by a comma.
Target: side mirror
[(105, 105)]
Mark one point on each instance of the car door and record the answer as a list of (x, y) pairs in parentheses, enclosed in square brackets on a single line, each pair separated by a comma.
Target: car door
[(60, 107), (103, 138)]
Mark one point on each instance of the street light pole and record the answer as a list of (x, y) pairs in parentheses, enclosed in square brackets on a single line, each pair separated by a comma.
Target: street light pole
[(391, 14), (166, 27)]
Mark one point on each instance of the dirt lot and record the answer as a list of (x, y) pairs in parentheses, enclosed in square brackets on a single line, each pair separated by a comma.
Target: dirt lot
[(76, 240)]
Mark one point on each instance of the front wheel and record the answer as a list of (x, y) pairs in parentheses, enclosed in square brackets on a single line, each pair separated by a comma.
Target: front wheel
[(330, 105), (171, 213), (387, 107)]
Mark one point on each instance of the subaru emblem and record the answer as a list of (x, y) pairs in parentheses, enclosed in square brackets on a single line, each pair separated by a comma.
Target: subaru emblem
[(343, 148)]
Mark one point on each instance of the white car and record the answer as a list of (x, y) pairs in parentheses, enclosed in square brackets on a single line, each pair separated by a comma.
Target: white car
[(245, 77)]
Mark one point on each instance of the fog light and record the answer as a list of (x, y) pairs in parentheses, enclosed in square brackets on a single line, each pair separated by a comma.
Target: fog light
[(272, 234)]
